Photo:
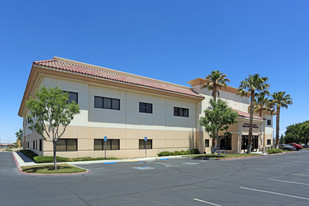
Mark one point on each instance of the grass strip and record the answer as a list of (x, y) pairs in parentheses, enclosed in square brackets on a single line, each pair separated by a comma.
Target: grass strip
[(49, 169)]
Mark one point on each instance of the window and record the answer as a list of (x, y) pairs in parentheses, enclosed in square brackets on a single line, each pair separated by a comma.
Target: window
[(111, 144), (206, 142), (28, 146), (66, 145), (148, 144), (106, 103), (269, 122), (73, 96), (181, 112), (33, 145), (40, 145), (269, 142), (145, 107)]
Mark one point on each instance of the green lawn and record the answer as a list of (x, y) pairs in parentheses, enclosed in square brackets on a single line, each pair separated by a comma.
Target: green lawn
[(49, 169), (222, 156)]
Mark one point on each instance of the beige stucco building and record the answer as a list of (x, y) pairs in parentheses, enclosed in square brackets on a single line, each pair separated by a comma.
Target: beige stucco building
[(126, 108)]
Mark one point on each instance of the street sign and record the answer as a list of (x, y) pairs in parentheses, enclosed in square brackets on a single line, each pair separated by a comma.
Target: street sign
[(105, 140)]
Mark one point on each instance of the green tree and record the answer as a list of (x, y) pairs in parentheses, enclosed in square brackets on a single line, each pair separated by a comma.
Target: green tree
[(19, 134), (280, 99), (305, 132), (217, 118), (50, 114), (252, 85), (214, 82)]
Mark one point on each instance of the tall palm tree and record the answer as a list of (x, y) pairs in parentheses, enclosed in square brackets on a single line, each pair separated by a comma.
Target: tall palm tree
[(280, 99), (253, 84), (260, 105), (214, 82)]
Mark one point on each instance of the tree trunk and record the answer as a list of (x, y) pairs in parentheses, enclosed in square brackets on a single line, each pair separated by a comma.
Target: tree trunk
[(214, 93), (277, 126), (250, 123), (55, 160), (218, 143)]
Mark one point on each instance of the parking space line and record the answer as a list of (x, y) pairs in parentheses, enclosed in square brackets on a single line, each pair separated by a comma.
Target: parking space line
[(203, 201), (284, 181), (300, 175), (275, 193)]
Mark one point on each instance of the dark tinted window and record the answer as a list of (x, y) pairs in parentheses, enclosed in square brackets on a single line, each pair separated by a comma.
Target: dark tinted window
[(145, 107), (181, 112), (206, 142), (106, 103), (66, 145), (111, 144), (148, 144), (268, 122)]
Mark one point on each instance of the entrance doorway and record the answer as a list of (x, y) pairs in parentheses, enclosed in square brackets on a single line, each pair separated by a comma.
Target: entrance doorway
[(255, 143)]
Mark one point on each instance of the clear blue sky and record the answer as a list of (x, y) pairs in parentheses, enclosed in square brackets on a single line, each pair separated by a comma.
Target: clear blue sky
[(170, 40)]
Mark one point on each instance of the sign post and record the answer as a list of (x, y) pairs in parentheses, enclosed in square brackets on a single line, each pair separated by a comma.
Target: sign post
[(105, 140), (145, 146)]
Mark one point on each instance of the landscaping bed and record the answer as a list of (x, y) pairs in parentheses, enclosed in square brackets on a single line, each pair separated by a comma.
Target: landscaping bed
[(222, 156), (50, 159), (49, 169)]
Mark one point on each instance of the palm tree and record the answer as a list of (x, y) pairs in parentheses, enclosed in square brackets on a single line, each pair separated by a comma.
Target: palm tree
[(280, 99), (214, 82), (252, 84), (260, 105)]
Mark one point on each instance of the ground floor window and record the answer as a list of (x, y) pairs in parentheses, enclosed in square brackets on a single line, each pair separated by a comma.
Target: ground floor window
[(206, 142), (111, 144), (40, 146), (148, 144), (244, 142), (268, 142), (226, 143), (66, 145)]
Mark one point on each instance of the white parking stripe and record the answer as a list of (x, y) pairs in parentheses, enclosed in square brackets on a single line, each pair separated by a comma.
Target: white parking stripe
[(284, 181), (301, 175), (203, 201), (275, 193)]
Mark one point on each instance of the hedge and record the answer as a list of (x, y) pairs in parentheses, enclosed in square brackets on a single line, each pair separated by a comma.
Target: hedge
[(175, 153), (50, 159), (29, 153), (274, 151)]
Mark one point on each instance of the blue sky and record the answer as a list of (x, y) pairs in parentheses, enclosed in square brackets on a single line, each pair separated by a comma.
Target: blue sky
[(170, 40)]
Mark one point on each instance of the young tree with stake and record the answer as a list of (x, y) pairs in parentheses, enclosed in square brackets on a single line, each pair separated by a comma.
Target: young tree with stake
[(50, 114)]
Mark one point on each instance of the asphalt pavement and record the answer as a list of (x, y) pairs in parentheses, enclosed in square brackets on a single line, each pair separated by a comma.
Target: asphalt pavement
[(268, 180)]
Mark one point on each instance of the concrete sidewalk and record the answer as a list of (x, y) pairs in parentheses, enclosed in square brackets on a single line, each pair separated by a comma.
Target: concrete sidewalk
[(25, 161)]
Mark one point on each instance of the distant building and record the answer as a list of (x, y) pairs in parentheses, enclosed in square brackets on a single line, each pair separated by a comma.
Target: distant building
[(127, 108)]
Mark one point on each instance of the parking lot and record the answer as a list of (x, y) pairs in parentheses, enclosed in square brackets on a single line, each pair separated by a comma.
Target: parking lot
[(270, 180)]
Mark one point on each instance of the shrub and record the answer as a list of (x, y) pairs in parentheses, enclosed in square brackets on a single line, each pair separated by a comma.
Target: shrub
[(274, 151), (49, 159), (29, 153), (182, 152)]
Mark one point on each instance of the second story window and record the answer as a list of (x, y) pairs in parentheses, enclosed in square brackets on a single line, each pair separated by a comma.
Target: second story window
[(106, 103), (181, 112), (145, 107), (269, 122), (73, 96)]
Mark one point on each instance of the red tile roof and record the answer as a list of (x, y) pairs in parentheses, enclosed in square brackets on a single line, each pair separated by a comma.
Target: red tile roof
[(95, 71), (247, 115)]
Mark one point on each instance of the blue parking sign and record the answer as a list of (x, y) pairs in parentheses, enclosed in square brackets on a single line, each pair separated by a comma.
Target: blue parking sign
[(145, 139), (105, 139)]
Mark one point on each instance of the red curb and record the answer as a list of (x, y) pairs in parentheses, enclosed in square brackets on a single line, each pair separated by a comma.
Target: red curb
[(21, 171)]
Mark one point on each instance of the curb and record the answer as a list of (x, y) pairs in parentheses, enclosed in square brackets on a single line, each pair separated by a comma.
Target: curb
[(21, 171)]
